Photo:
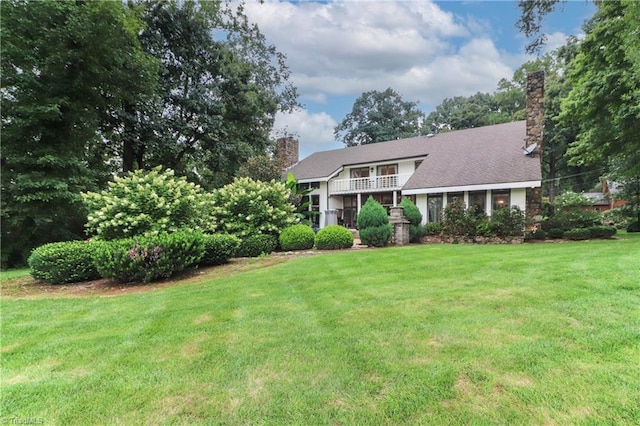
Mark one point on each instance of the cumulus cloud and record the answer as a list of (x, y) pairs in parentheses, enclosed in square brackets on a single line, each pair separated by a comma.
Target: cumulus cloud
[(315, 131)]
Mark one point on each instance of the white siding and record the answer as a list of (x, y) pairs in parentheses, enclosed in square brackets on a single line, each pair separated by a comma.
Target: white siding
[(519, 198), (421, 203)]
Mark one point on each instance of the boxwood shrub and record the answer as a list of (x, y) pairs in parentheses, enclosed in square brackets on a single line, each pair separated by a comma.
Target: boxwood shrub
[(634, 226), (577, 234), (334, 237), (64, 262), (602, 231), (255, 245), (413, 215), (297, 237), (149, 258), (219, 248)]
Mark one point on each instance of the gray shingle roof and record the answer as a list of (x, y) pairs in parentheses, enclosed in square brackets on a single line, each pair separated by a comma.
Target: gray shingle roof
[(483, 155)]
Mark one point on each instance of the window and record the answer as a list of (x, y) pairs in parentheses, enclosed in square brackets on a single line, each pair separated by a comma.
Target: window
[(359, 172), (349, 211), (452, 197), (477, 201), (315, 208), (388, 169), (500, 199), (434, 208)]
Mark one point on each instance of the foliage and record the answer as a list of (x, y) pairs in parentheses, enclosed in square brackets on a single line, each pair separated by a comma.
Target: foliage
[(256, 245), (149, 258), (413, 215), (577, 234), (629, 191), (65, 66), (538, 234), (334, 237), (300, 198), (64, 262), (378, 117), (297, 237), (260, 167), (146, 203), (458, 221), (221, 85), (567, 213), (373, 224), (247, 207), (605, 98), (602, 231), (433, 228), (508, 222), (634, 227), (219, 248)]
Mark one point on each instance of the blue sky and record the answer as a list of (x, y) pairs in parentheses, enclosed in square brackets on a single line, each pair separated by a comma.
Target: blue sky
[(426, 51)]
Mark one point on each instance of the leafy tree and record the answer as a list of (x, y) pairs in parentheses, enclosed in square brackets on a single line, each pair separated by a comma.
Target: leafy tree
[(64, 66), (260, 167), (605, 98), (217, 98), (378, 117)]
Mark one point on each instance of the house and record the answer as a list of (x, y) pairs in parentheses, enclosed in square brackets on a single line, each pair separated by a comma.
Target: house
[(489, 167)]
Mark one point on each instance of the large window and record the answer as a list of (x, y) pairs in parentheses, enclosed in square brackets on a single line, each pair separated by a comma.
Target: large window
[(349, 211), (359, 172), (434, 208), (500, 198), (452, 197), (388, 169), (478, 201)]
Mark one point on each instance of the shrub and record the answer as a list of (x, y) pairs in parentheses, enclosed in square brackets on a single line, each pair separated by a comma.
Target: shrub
[(219, 248), (297, 237), (577, 234), (413, 215), (458, 221), (373, 224), (247, 207), (149, 258), (255, 245), (65, 262), (484, 229), (146, 203), (334, 237), (634, 226), (508, 222), (539, 234), (433, 228), (602, 231), (555, 233)]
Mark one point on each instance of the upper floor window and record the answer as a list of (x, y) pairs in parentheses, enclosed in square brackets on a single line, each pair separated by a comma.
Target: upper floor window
[(359, 172), (388, 169)]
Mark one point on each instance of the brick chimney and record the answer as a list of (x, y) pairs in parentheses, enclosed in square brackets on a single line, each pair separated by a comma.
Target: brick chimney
[(287, 152), (535, 111), (534, 135)]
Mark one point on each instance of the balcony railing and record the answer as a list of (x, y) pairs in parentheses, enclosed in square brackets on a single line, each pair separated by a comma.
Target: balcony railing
[(368, 184)]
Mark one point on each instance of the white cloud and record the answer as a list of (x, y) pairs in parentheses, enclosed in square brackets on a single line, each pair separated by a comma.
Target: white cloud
[(346, 48), (315, 131)]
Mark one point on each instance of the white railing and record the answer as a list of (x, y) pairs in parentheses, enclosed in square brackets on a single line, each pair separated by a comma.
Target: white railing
[(368, 184)]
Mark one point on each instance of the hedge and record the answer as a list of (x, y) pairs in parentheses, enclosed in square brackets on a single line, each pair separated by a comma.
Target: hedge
[(334, 237), (64, 262), (297, 237)]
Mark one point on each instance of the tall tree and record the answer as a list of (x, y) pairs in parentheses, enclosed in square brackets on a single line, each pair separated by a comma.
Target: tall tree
[(605, 98), (378, 117), (218, 95), (63, 67)]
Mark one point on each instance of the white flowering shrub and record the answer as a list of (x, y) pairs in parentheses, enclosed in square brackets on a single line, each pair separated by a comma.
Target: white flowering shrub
[(247, 207), (145, 203)]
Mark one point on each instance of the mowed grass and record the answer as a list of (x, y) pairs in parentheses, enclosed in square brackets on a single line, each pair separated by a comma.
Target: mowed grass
[(545, 333)]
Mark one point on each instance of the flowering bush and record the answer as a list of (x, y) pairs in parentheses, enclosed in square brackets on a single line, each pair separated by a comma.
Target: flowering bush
[(149, 258), (146, 203), (247, 207)]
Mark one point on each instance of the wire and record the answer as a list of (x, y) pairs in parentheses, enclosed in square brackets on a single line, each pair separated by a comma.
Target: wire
[(577, 174)]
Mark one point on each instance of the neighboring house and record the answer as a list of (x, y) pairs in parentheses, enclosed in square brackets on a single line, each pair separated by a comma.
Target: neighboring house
[(486, 167), (599, 201)]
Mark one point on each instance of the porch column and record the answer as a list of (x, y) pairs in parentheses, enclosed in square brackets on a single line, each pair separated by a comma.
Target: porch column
[(395, 198), (359, 202)]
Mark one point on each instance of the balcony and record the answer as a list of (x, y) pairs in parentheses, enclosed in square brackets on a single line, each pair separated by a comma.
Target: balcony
[(368, 184)]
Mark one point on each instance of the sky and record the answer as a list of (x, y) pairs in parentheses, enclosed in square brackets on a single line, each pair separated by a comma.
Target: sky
[(424, 50)]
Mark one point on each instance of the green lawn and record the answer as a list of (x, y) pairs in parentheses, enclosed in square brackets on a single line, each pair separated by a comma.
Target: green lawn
[(545, 333)]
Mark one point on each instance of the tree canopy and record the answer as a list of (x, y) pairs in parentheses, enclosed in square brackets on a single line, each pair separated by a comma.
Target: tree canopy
[(378, 117)]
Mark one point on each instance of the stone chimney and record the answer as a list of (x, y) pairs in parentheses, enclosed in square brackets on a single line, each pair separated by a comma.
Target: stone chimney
[(287, 152), (535, 111), (534, 135)]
